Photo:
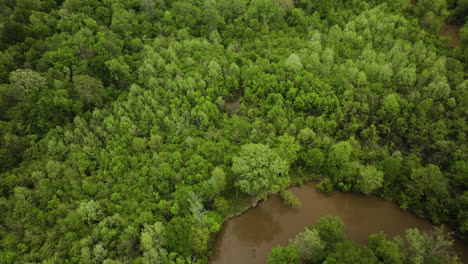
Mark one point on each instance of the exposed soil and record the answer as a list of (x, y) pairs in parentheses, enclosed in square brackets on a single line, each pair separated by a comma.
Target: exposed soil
[(451, 31), (447, 30), (234, 104)]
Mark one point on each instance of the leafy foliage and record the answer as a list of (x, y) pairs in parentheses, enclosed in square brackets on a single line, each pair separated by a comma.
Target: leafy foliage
[(131, 129), (309, 246), (260, 170)]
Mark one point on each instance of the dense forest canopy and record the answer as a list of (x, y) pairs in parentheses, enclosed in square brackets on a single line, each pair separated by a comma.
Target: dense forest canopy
[(131, 129)]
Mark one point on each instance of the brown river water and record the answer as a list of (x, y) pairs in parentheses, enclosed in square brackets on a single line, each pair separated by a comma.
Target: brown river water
[(249, 237)]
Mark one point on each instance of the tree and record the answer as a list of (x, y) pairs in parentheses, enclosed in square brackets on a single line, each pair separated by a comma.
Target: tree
[(321, 6), (290, 199), (119, 70), (309, 246), (338, 160), (29, 108), (392, 169), (196, 208), (390, 107), (314, 159), (330, 229), (348, 252), (325, 186), (283, 255), (13, 33), (306, 135), (89, 90), (464, 33), (259, 170), (370, 179), (122, 20), (265, 11), (200, 239), (387, 251), (152, 236), (431, 22), (231, 9), (25, 85), (286, 5), (287, 148), (90, 211), (405, 77), (433, 13), (147, 6), (64, 60), (433, 247), (439, 7), (458, 14), (218, 180), (340, 154), (293, 63), (428, 189), (179, 236), (100, 253)]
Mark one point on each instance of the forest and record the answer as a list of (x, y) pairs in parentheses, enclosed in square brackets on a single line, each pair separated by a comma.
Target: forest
[(130, 129)]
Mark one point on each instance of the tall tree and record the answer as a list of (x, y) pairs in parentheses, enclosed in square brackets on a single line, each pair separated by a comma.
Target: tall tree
[(260, 170)]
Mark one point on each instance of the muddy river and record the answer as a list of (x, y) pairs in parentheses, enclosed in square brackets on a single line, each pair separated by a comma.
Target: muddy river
[(249, 238)]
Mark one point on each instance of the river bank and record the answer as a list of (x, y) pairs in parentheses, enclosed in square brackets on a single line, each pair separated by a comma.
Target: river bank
[(249, 237)]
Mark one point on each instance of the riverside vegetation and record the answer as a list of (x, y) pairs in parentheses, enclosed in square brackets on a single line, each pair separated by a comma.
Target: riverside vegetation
[(119, 142), (325, 243)]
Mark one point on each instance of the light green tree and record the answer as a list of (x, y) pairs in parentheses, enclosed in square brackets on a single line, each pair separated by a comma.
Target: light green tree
[(283, 255), (432, 247), (152, 243), (369, 179), (260, 170), (293, 63), (340, 154), (90, 211), (287, 148), (89, 90), (218, 180), (387, 251), (330, 229), (309, 246), (25, 85)]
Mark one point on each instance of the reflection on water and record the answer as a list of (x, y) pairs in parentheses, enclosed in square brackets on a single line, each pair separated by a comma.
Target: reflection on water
[(250, 237), (257, 227)]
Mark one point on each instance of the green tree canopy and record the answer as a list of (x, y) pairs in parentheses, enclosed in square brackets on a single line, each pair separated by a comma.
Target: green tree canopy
[(260, 170), (283, 255)]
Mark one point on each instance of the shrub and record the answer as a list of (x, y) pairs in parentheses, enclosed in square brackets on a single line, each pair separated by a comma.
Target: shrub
[(325, 186), (290, 199)]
